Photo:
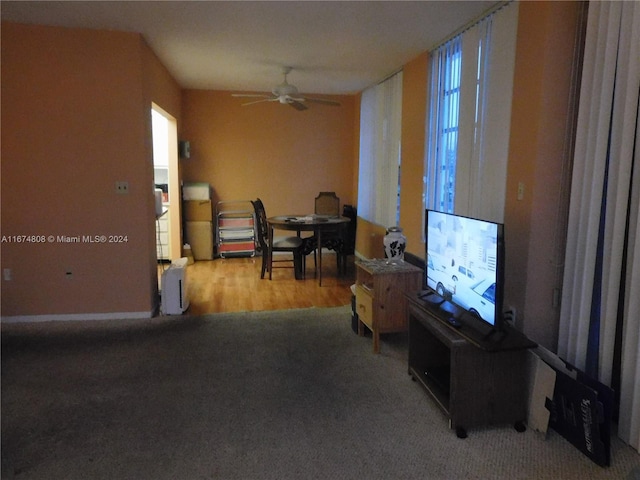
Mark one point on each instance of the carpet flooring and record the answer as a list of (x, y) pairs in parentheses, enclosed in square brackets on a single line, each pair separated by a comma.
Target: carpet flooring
[(258, 395)]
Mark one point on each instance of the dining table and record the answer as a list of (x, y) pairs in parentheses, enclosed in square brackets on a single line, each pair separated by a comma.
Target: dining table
[(306, 223)]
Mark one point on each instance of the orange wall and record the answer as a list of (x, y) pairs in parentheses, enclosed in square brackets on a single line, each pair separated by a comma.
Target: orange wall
[(414, 111), (75, 118), (356, 149), (414, 104), (538, 157), (369, 238), (268, 150)]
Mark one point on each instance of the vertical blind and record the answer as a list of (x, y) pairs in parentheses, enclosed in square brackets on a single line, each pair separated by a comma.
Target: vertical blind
[(440, 169), (473, 169), (599, 329), (380, 133)]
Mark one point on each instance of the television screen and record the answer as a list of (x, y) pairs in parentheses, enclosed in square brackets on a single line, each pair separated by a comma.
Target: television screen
[(464, 263)]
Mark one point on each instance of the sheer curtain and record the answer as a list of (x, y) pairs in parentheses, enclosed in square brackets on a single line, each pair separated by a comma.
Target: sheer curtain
[(488, 60), (600, 313), (442, 134), (380, 133), (470, 163)]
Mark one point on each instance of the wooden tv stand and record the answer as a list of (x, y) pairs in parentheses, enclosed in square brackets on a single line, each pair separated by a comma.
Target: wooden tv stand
[(476, 380)]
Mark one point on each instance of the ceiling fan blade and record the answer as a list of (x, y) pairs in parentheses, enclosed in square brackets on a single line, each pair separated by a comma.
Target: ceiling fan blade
[(323, 101), (253, 95), (298, 105), (269, 99), (286, 93)]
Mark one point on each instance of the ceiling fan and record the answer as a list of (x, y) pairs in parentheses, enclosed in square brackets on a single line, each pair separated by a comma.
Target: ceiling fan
[(285, 93)]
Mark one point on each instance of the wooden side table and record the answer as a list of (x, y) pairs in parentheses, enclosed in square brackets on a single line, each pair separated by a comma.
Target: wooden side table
[(380, 301)]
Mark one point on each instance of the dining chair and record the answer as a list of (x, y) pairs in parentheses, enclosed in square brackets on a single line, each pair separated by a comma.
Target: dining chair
[(344, 241), (290, 244), (348, 245), (326, 203)]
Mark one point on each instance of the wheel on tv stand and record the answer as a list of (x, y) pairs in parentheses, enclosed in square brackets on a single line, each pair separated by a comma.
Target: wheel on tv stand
[(461, 432), (520, 426)]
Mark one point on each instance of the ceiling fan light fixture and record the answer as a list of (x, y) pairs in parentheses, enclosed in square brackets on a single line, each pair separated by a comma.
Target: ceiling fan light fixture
[(287, 94), (285, 89)]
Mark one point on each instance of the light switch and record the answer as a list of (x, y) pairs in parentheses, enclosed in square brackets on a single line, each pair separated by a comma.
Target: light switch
[(520, 190)]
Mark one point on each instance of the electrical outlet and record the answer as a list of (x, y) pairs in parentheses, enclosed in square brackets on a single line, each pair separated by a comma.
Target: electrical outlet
[(510, 315), (122, 187), (6, 274)]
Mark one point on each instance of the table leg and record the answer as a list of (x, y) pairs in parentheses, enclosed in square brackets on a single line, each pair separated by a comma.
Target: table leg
[(270, 252), (319, 235), (376, 340)]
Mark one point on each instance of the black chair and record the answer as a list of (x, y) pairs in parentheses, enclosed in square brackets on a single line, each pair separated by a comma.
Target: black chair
[(286, 244), (348, 245), (326, 203), (341, 240)]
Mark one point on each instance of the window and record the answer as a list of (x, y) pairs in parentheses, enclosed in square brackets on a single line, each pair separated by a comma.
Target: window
[(445, 108), (469, 110), (380, 133)]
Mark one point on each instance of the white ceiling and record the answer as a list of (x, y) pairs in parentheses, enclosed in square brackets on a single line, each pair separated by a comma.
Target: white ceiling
[(334, 47)]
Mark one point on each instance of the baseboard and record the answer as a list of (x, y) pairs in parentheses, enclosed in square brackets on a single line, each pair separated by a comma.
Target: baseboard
[(74, 317)]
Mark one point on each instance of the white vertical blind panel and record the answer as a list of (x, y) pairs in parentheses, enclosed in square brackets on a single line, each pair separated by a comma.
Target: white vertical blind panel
[(465, 194), (587, 183), (625, 191), (607, 128), (366, 185), (490, 190), (380, 132), (488, 61)]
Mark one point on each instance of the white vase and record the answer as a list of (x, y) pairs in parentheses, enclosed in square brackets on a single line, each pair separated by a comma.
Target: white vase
[(394, 245)]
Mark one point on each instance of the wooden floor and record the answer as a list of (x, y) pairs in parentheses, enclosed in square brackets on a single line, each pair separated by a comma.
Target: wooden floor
[(234, 285)]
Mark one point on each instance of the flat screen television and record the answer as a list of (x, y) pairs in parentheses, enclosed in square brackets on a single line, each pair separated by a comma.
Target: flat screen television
[(464, 267)]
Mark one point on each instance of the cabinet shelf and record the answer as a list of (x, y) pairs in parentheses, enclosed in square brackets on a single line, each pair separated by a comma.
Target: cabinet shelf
[(235, 232), (472, 385), (438, 391)]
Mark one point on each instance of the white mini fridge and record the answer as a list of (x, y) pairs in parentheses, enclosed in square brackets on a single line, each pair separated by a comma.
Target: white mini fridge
[(174, 294)]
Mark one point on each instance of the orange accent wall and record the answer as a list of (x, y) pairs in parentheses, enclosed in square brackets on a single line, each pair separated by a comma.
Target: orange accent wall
[(269, 150), (539, 158), (356, 148), (76, 119), (369, 238), (414, 111), (414, 100)]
